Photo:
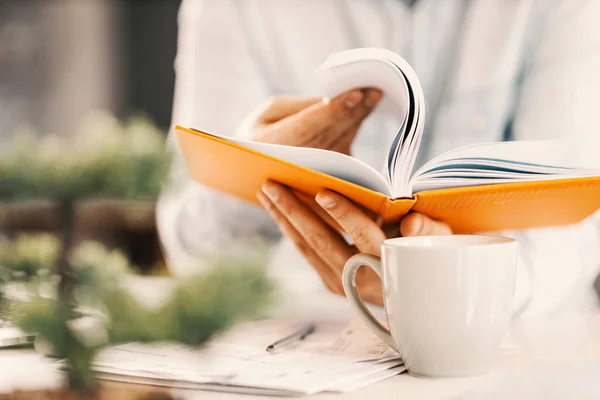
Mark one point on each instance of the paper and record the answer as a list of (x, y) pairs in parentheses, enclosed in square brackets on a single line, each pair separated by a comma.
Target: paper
[(349, 386), (13, 337), (238, 360)]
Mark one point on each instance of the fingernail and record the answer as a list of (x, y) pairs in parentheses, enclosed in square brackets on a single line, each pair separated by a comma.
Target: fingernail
[(264, 201), (372, 98), (271, 190), (325, 201), (353, 99)]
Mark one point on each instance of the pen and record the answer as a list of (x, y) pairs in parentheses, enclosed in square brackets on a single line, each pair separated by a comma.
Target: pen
[(300, 334)]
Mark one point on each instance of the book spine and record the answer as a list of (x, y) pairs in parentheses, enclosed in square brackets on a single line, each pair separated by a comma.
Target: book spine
[(393, 210)]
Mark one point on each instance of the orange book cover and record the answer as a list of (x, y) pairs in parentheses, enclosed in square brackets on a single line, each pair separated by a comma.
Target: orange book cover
[(240, 171)]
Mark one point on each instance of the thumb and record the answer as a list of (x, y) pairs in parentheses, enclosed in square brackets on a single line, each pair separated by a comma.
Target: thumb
[(279, 107), (416, 224), (302, 127), (271, 111)]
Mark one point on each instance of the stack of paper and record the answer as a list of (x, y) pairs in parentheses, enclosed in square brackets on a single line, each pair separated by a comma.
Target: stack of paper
[(11, 336), (238, 361)]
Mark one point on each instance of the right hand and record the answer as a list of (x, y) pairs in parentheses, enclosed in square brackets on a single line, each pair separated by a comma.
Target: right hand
[(313, 122), (326, 249)]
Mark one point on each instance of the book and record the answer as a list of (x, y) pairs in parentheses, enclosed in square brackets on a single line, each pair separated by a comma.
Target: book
[(476, 188)]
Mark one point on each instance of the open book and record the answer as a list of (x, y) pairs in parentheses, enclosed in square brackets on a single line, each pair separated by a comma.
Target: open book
[(537, 173)]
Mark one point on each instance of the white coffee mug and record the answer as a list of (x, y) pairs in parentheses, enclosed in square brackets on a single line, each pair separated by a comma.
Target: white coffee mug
[(448, 300)]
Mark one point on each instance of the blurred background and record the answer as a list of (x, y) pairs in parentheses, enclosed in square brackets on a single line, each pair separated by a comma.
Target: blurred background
[(61, 62), (122, 49)]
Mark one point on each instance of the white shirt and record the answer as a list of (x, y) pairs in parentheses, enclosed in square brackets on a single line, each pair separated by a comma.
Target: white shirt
[(491, 70)]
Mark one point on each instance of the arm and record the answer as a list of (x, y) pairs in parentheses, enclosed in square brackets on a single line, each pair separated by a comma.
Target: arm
[(559, 98), (557, 266), (194, 221)]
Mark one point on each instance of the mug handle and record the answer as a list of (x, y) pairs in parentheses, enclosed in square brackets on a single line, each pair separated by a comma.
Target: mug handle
[(349, 282)]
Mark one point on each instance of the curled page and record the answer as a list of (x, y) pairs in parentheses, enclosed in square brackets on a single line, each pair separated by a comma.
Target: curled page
[(403, 99)]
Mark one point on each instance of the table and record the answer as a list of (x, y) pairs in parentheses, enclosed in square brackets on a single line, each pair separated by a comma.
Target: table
[(550, 358)]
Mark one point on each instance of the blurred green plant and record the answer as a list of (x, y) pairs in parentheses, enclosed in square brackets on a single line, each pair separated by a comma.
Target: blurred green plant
[(107, 158), (28, 256), (235, 289)]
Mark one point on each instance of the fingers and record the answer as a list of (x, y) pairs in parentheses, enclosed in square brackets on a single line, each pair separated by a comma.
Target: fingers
[(344, 142), (325, 250), (323, 240), (298, 129), (321, 123), (365, 233), (416, 224), (279, 107), (311, 203), (342, 133), (373, 97), (327, 275)]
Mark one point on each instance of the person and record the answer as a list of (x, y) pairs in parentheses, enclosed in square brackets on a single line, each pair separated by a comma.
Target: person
[(490, 71)]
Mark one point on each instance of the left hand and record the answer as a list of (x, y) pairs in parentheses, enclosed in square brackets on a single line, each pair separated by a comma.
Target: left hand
[(325, 249)]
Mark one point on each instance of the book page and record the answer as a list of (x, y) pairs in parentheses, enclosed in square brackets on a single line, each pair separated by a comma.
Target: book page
[(403, 99), (363, 68), (540, 152), (504, 162), (326, 161)]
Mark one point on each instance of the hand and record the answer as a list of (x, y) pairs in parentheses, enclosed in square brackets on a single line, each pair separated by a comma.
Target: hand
[(325, 249), (312, 122)]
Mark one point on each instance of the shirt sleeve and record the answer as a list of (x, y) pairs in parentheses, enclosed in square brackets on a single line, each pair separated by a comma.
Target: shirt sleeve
[(559, 98), (194, 222)]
